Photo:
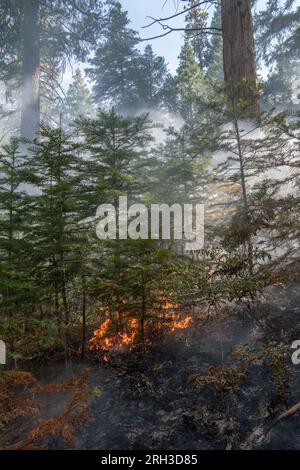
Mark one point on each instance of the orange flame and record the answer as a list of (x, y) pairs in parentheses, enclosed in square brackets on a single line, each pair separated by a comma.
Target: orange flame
[(105, 340), (102, 341), (181, 325)]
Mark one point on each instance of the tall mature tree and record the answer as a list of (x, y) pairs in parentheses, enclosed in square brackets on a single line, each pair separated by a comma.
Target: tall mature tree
[(30, 69), (196, 19), (123, 76), (239, 53), (191, 84), (239, 58), (214, 51), (151, 78), (278, 28), (278, 38), (113, 66), (33, 31)]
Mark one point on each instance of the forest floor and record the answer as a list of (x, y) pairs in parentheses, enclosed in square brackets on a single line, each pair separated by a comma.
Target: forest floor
[(150, 403)]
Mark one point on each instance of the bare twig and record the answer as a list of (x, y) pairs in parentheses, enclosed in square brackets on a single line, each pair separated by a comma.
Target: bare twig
[(183, 12), (213, 31)]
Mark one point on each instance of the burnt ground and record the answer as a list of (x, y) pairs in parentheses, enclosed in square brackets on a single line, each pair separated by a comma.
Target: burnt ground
[(148, 403)]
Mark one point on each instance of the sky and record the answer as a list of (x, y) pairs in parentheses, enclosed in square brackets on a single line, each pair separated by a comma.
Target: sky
[(169, 46), (138, 10)]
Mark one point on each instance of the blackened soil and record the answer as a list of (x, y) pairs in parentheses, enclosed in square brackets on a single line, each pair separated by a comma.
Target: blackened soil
[(148, 402)]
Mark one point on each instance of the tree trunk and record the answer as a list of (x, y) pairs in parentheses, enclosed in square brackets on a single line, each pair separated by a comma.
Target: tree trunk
[(30, 108), (239, 53), (244, 192), (83, 340), (143, 315)]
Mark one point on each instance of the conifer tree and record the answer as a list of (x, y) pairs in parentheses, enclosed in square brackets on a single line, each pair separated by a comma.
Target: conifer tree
[(239, 56), (116, 164), (113, 66), (196, 20), (55, 231), (38, 31), (13, 228), (214, 51), (152, 75), (278, 34), (78, 99), (264, 162), (117, 153), (191, 83)]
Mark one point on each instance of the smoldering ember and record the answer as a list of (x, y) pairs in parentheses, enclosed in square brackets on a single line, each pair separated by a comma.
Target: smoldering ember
[(149, 229)]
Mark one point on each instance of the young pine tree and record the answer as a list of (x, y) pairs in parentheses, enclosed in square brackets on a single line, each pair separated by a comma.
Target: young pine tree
[(78, 99), (16, 289), (116, 164), (56, 235)]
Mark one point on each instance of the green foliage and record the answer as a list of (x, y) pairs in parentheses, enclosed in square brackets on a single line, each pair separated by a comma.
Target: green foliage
[(78, 99), (66, 31), (16, 287), (118, 157), (226, 380), (56, 277), (214, 52), (113, 64), (278, 37), (275, 360), (191, 83), (123, 76), (196, 20)]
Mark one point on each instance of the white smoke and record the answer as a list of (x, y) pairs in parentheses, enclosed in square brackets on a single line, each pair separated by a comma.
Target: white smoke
[(164, 120), (9, 113)]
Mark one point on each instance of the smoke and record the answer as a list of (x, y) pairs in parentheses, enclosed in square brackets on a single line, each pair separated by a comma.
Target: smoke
[(164, 120), (9, 112), (295, 84), (28, 98), (257, 135)]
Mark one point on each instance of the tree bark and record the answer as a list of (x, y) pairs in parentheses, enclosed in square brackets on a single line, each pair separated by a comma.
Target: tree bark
[(84, 335), (239, 53), (30, 108)]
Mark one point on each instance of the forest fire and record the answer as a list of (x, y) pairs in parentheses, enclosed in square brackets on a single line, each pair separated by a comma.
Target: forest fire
[(105, 339)]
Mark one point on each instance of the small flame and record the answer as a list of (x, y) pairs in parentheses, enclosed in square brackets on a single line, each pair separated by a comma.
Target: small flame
[(105, 340), (182, 325), (102, 341), (168, 306)]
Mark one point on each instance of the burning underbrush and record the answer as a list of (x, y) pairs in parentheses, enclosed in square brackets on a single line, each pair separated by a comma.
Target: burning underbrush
[(118, 335)]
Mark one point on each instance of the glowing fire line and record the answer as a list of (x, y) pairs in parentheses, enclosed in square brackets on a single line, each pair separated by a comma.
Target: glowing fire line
[(104, 340)]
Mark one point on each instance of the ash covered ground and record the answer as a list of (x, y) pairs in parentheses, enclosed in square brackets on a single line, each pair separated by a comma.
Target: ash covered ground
[(150, 402)]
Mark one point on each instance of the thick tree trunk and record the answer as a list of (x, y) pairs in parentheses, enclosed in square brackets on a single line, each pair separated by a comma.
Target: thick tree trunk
[(30, 110), (239, 53)]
